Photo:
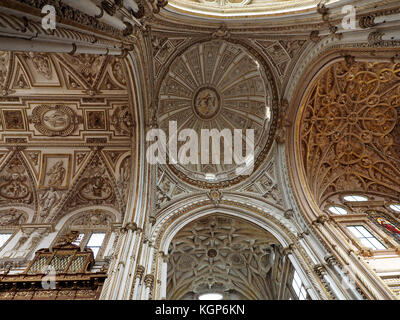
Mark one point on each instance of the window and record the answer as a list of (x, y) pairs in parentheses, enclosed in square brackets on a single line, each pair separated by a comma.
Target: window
[(298, 287), (4, 238), (395, 207), (211, 296), (337, 210), (95, 242), (90, 240), (355, 198), (366, 238), (78, 240)]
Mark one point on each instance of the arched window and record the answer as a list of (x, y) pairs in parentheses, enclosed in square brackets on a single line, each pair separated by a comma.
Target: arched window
[(92, 240), (355, 198), (395, 207), (95, 231), (337, 210)]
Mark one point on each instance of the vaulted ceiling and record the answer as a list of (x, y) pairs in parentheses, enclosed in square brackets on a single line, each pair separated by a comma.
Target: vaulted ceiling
[(349, 130), (65, 134), (224, 255)]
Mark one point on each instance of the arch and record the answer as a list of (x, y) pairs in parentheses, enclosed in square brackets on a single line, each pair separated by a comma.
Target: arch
[(326, 59), (75, 213), (331, 229), (165, 230)]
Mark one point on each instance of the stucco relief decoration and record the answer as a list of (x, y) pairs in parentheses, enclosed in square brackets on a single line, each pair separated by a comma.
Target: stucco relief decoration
[(14, 185), (124, 177), (122, 120), (48, 200), (56, 171), (12, 217), (348, 127), (118, 72), (87, 66), (41, 63), (216, 85), (13, 120), (216, 253), (93, 218), (58, 120), (4, 67), (56, 174), (96, 186)]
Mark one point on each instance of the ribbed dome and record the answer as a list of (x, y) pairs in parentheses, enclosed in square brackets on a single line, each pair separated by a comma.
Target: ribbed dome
[(240, 8), (215, 85)]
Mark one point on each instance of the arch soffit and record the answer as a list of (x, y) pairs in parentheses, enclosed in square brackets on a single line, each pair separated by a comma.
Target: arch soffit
[(265, 216)]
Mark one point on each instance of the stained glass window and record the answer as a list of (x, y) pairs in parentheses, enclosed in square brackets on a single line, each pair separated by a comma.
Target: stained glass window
[(387, 224)]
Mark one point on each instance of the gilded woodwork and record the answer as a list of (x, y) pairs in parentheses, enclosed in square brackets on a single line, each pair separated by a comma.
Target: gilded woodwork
[(73, 280)]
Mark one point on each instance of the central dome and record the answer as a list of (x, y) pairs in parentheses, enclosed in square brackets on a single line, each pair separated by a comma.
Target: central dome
[(241, 8), (216, 85)]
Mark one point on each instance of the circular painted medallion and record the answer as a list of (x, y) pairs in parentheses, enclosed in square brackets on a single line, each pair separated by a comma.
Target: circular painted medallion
[(207, 103), (56, 120)]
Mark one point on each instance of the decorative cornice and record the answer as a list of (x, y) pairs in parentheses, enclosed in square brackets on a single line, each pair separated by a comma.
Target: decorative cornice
[(375, 37), (73, 15), (367, 22)]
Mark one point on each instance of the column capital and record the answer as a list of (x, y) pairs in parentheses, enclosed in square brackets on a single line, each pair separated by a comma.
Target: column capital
[(149, 280), (129, 226), (288, 250), (139, 272), (319, 269), (330, 260)]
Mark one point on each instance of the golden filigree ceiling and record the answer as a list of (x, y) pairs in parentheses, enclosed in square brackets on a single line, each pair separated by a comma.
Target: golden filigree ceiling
[(216, 85), (223, 255), (349, 130)]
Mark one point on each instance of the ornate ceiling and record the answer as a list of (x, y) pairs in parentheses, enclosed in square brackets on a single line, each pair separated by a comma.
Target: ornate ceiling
[(224, 255), (240, 8), (65, 134), (349, 130), (216, 85)]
